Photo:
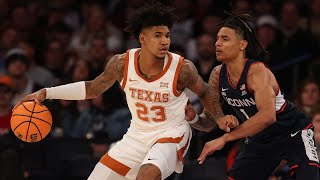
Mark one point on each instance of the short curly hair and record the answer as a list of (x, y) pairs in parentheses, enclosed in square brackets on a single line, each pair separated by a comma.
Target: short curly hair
[(151, 14)]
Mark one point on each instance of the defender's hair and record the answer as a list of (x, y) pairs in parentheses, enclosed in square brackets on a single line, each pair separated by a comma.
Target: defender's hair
[(239, 22), (151, 14)]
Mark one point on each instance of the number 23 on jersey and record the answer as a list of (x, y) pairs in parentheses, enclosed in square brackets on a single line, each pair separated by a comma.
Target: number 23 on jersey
[(143, 113)]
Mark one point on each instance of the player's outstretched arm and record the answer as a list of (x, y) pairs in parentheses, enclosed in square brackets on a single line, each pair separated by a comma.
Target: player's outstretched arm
[(84, 89)]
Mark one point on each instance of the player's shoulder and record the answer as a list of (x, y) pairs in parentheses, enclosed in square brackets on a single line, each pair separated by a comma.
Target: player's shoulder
[(217, 69), (257, 68), (188, 68), (116, 65), (118, 57)]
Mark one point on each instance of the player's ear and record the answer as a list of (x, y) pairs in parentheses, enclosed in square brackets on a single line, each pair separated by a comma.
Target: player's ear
[(141, 38), (243, 45)]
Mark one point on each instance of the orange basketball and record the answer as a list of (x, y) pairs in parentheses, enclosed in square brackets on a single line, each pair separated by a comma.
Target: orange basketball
[(31, 122)]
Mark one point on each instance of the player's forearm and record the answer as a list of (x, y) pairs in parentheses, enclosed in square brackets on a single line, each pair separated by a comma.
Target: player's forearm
[(100, 84), (210, 101), (205, 123), (75, 91), (72, 91), (92, 90), (252, 126)]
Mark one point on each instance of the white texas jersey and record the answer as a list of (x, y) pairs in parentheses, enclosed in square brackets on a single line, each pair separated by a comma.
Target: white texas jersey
[(154, 103)]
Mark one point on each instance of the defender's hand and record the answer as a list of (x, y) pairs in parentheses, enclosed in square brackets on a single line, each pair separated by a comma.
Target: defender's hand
[(227, 122), (210, 147), (37, 96)]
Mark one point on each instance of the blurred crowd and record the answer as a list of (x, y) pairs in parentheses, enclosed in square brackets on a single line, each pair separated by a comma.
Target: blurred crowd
[(48, 43)]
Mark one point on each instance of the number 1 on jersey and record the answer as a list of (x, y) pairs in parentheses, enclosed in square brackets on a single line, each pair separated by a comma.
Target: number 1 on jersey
[(244, 113)]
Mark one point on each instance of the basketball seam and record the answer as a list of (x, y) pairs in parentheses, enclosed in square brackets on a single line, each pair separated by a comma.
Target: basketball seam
[(33, 109), (31, 117), (34, 105), (28, 130)]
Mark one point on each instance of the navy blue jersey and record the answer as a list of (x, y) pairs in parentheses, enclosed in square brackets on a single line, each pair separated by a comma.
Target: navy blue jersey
[(242, 101)]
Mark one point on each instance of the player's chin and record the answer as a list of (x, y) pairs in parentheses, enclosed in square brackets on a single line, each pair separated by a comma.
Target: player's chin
[(160, 56), (219, 58)]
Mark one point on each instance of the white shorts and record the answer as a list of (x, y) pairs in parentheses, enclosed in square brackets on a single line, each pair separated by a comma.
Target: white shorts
[(136, 148)]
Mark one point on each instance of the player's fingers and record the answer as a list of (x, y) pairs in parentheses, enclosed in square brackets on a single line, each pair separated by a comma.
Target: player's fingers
[(38, 102), (236, 120), (226, 127), (201, 161), (188, 107), (232, 122), (203, 155), (19, 102)]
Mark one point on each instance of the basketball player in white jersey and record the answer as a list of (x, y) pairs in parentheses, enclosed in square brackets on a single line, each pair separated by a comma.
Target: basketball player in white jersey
[(154, 81)]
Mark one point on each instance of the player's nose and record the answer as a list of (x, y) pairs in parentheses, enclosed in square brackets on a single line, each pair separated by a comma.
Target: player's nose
[(164, 40)]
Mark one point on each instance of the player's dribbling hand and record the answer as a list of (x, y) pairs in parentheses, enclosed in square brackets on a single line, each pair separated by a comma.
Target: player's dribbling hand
[(227, 122), (189, 112), (37, 96), (210, 147)]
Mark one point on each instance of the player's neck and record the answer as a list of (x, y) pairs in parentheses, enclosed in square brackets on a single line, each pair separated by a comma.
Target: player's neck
[(235, 67), (148, 64)]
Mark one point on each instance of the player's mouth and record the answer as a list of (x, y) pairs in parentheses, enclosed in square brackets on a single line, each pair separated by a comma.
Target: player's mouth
[(163, 50), (218, 52)]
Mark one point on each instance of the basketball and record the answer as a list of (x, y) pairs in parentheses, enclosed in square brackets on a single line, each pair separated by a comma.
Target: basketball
[(31, 122)]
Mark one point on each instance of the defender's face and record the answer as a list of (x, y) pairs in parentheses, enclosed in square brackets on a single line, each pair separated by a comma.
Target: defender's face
[(156, 40), (228, 44)]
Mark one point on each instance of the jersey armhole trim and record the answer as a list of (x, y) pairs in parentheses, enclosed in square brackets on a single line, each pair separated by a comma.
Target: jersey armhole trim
[(176, 76), (125, 73)]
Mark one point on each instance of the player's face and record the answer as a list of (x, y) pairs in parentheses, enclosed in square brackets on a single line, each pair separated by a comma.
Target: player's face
[(228, 44), (156, 40)]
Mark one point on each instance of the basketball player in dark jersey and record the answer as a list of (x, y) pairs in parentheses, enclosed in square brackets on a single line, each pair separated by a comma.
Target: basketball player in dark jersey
[(274, 129)]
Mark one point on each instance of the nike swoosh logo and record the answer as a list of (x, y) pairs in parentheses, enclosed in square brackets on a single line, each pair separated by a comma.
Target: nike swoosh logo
[(224, 89), (293, 134), (132, 80), (150, 159)]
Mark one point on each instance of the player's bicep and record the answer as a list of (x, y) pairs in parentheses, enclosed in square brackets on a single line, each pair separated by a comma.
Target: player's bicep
[(112, 72), (259, 82), (214, 82)]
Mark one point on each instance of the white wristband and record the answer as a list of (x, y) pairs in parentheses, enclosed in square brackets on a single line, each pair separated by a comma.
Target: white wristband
[(194, 120), (73, 91)]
